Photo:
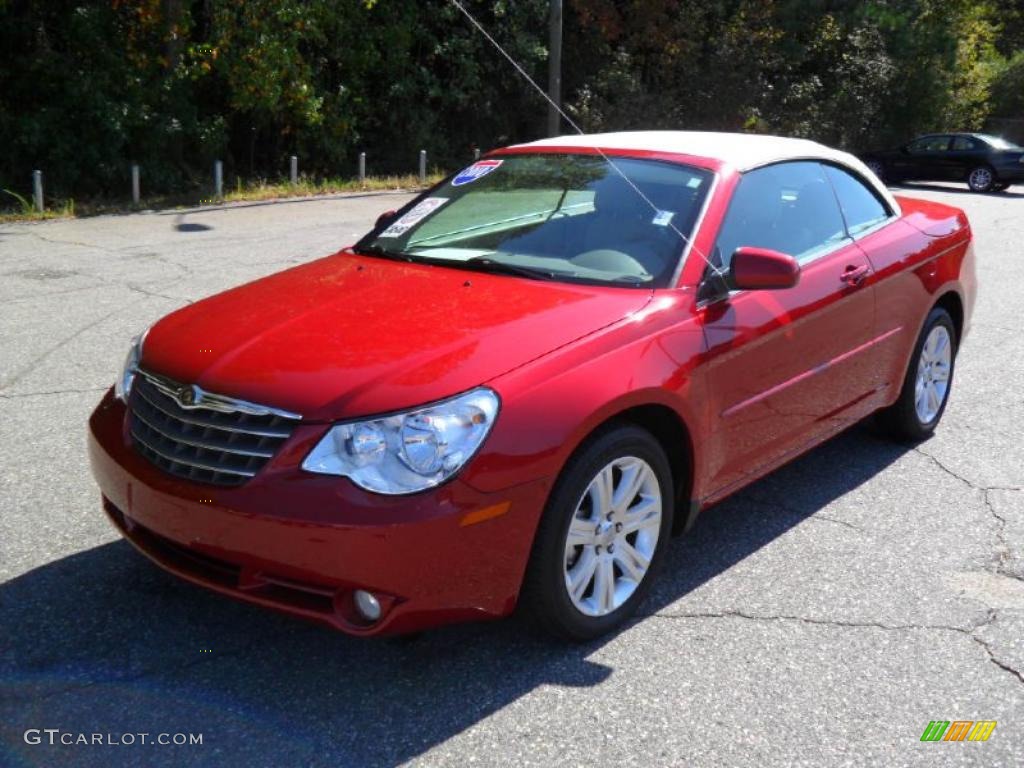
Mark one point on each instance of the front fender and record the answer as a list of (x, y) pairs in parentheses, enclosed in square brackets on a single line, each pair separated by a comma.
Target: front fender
[(552, 405)]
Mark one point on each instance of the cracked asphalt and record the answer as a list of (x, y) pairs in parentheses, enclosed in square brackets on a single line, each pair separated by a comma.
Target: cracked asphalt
[(821, 617)]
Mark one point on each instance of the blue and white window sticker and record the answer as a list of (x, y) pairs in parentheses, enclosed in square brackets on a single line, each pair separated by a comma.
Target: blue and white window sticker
[(476, 171)]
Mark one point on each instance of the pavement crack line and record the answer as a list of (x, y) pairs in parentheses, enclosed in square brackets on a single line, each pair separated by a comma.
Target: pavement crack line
[(837, 521), (186, 271), (135, 288), (85, 391), (991, 619), (1001, 555), (34, 363), (810, 515), (734, 614), (970, 631)]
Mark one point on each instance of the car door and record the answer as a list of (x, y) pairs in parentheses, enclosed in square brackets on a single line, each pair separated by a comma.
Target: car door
[(965, 153), (927, 158), (783, 366)]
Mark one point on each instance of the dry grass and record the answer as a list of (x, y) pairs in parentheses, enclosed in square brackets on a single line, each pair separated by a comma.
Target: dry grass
[(265, 190), (243, 191), (25, 211)]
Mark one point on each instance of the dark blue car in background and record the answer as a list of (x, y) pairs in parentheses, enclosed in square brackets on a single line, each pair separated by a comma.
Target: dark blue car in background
[(985, 163)]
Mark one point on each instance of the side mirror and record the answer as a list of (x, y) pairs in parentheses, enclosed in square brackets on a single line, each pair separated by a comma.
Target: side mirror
[(753, 269), (385, 218)]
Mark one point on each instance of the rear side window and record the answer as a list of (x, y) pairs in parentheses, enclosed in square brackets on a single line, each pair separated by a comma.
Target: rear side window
[(860, 205), (965, 144), (930, 144), (787, 207)]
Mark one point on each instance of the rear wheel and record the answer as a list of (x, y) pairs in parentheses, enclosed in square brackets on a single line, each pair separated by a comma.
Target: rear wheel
[(602, 536), (981, 179), (927, 382)]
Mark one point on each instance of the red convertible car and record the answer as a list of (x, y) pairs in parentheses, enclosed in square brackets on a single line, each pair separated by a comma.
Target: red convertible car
[(517, 388)]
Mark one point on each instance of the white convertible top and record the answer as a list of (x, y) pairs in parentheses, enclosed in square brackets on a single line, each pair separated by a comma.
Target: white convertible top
[(742, 151)]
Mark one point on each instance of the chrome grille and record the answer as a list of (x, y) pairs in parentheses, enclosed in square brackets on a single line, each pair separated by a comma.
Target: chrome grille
[(202, 436)]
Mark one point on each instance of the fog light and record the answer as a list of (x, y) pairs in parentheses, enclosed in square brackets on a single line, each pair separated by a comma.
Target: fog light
[(367, 605)]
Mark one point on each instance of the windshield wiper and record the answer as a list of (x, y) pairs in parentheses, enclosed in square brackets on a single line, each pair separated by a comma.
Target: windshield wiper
[(487, 264), (380, 250), (626, 279)]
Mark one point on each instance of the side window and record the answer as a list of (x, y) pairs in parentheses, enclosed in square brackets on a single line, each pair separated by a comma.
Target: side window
[(788, 207), (860, 205), (964, 144), (930, 144)]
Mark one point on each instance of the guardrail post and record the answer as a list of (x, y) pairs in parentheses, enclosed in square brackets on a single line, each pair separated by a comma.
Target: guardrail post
[(135, 184), (423, 166), (476, 153), (362, 167), (37, 189), (218, 179), (295, 170)]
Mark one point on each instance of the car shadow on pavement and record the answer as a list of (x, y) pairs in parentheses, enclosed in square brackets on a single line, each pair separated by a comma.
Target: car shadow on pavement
[(104, 642), (956, 189)]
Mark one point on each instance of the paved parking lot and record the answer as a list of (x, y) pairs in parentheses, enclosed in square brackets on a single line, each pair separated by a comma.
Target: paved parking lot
[(822, 617)]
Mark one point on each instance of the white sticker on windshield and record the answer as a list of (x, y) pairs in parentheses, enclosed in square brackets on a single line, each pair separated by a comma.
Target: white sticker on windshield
[(662, 218), (693, 183), (419, 212)]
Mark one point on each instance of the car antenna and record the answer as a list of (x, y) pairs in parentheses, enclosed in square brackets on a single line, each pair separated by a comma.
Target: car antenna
[(718, 271)]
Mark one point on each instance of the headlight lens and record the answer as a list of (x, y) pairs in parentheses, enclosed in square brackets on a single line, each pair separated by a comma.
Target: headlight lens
[(123, 385), (407, 452)]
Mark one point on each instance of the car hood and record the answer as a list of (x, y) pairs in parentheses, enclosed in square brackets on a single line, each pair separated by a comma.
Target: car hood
[(349, 335)]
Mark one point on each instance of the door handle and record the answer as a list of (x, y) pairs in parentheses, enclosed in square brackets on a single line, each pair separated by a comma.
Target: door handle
[(855, 275)]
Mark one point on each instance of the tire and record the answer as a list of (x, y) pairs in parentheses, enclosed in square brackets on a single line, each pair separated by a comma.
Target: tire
[(981, 179), (876, 168), (906, 420), (545, 600)]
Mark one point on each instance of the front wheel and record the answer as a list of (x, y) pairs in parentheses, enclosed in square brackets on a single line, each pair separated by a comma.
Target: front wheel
[(981, 179), (927, 382), (602, 536)]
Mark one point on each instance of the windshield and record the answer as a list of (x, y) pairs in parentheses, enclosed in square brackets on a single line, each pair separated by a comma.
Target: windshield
[(998, 142), (554, 216)]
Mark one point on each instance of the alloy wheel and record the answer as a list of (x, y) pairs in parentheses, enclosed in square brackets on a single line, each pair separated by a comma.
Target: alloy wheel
[(980, 179), (933, 369), (612, 536)]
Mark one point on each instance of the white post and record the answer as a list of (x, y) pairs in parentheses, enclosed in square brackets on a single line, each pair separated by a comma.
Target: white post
[(218, 179), (135, 184), (295, 170), (37, 189), (476, 153), (362, 167), (423, 166)]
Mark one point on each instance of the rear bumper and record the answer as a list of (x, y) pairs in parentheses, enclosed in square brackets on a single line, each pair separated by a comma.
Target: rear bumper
[(302, 543), (1012, 174)]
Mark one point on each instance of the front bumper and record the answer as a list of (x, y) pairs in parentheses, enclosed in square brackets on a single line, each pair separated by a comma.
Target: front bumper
[(302, 543)]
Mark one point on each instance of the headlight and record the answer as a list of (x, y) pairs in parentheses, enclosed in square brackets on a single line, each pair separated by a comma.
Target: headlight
[(123, 385), (407, 452)]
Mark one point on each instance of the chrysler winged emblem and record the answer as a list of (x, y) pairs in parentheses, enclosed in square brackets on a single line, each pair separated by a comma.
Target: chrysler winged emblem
[(188, 395)]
